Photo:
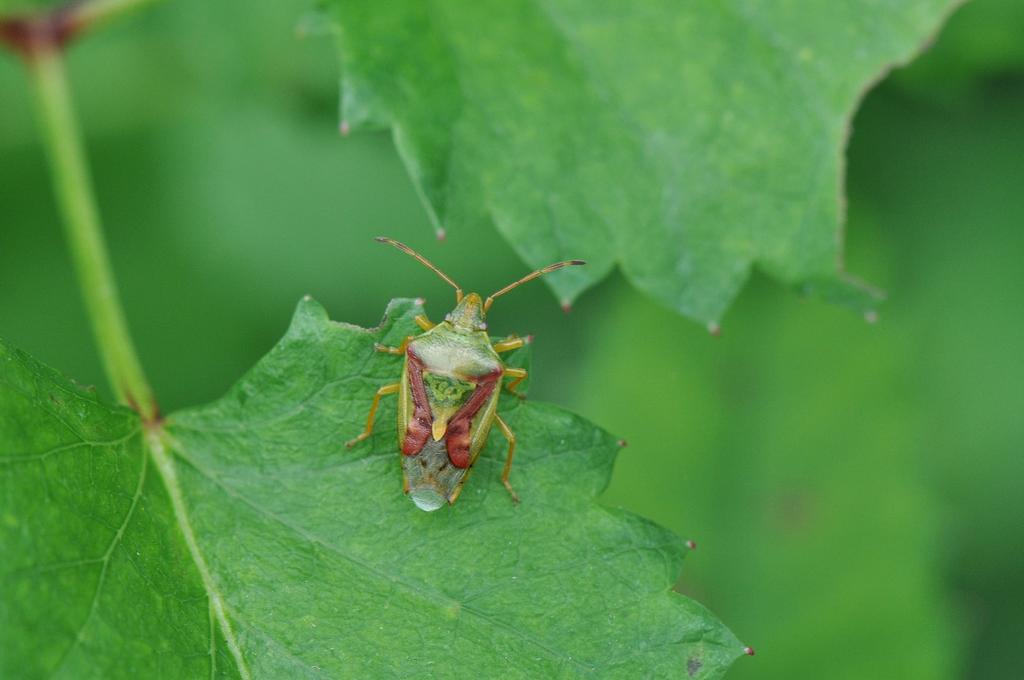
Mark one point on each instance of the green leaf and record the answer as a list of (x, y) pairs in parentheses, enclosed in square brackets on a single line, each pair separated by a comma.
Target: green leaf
[(818, 537), (959, 312), (855, 464), (96, 579), (687, 142), (246, 534)]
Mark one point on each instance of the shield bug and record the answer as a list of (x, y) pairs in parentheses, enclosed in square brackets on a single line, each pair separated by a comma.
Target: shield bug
[(448, 393)]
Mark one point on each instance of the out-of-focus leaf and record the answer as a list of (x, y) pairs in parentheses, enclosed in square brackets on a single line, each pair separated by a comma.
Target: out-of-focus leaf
[(791, 461), (893, 449), (244, 534), (956, 267), (688, 142), (18, 7), (226, 194), (981, 43)]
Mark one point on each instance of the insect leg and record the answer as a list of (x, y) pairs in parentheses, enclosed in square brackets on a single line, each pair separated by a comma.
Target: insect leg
[(387, 389), (395, 350), (520, 375), (507, 431), (509, 345), (423, 322)]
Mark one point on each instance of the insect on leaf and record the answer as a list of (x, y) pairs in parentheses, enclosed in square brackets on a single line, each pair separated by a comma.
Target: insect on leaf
[(242, 539)]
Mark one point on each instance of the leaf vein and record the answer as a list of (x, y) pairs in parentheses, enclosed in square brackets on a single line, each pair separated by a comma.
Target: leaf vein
[(105, 561)]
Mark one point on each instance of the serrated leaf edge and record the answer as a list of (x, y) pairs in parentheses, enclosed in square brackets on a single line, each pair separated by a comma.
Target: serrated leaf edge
[(841, 275)]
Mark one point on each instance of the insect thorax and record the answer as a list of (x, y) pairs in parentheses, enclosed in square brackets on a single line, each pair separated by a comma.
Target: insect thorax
[(462, 356)]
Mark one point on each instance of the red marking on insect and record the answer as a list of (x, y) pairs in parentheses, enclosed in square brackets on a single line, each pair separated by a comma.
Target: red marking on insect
[(749, 651), (458, 434), (418, 430)]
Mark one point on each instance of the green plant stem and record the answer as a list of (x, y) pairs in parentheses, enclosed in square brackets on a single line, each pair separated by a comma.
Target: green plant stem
[(85, 238)]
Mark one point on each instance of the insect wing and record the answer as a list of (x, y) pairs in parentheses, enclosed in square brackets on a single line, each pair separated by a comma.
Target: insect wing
[(430, 477)]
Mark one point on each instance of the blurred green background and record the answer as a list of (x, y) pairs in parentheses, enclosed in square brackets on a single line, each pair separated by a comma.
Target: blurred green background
[(855, 489)]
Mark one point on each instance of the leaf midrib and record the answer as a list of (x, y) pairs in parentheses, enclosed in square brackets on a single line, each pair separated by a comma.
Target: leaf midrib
[(155, 446)]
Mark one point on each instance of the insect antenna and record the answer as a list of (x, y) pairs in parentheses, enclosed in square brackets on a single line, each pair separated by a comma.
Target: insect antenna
[(529, 277), (425, 262)]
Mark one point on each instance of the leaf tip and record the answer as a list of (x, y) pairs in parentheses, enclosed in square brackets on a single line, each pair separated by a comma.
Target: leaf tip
[(309, 311), (691, 544), (714, 329), (749, 651), (344, 128)]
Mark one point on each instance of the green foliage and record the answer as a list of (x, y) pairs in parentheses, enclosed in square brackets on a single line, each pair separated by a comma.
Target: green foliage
[(855, 487), (981, 41), (96, 580), (956, 262), (245, 534), (227, 195), (10, 7), (687, 142), (814, 526)]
